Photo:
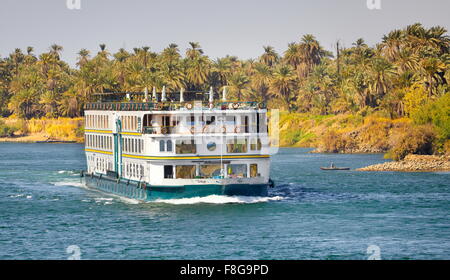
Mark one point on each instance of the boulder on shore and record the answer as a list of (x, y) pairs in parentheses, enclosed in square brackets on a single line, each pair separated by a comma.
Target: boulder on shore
[(413, 163)]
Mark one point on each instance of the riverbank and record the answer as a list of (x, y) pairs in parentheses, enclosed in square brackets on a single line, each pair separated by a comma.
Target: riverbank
[(413, 163), (35, 130)]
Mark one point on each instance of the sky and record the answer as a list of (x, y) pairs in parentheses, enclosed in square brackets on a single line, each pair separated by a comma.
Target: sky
[(226, 27)]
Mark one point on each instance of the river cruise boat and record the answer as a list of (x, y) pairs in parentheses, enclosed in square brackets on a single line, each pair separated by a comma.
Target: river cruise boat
[(176, 145)]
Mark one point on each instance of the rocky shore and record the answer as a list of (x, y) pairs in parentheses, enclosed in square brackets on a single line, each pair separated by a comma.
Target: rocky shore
[(413, 163)]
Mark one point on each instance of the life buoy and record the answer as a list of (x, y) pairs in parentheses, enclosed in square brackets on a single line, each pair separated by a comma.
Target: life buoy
[(192, 130), (164, 130), (211, 105), (235, 105), (205, 128), (224, 129), (237, 129), (188, 106)]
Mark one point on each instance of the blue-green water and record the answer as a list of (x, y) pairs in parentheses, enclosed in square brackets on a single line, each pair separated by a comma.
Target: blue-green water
[(312, 214)]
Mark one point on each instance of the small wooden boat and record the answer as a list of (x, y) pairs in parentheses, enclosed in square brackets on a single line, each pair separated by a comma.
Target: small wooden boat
[(335, 168)]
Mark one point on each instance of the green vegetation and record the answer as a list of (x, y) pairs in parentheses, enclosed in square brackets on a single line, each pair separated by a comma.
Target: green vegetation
[(361, 91), (6, 130)]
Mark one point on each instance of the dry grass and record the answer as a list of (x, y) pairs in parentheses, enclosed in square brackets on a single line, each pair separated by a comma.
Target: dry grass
[(65, 129)]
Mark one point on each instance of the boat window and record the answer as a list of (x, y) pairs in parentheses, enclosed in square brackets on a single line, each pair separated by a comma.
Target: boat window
[(230, 120), (147, 120), (246, 125), (161, 146), (236, 146), (255, 144), (253, 170), (210, 120), (169, 145), (185, 147), (237, 170), (191, 120), (210, 171), (168, 171), (185, 171)]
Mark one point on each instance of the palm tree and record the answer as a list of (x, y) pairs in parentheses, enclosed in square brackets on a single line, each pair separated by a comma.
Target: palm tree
[(282, 84), (83, 57), (269, 57), (222, 69), (261, 81), (197, 71), (237, 85), (292, 55), (430, 69), (103, 53), (119, 65), (311, 53), (392, 43), (195, 50), (56, 50), (381, 72), (16, 58)]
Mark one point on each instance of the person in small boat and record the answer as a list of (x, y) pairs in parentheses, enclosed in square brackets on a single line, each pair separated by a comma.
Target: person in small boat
[(332, 165)]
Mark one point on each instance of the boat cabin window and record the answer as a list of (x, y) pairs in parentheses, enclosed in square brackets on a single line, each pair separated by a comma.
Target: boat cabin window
[(237, 170), (253, 170), (230, 120), (147, 120), (210, 171), (246, 125), (162, 146), (185, 147), (255, 144), (210, 120), (168, 171), (185, 171), (236, 146), (169, 145), (191, 120)]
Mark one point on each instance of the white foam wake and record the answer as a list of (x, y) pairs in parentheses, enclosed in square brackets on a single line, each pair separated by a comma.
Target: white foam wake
[(70, 184), (219, 199)]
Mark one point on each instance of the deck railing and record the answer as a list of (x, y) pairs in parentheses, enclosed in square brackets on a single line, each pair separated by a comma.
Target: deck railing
[(172, 106)]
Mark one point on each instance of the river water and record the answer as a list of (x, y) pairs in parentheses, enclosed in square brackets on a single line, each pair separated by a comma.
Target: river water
[(311, 214)]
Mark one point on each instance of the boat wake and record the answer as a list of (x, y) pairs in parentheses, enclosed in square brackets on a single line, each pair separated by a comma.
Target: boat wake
[(70, 184), (219, 199)]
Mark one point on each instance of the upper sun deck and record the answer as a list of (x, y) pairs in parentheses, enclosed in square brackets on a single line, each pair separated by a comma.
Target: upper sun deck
[(175, 101)]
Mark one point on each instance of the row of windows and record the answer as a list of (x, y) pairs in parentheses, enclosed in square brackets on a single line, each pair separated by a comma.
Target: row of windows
[(210, 171), (99, 164), (97, 121), (132, 145), (189, 146), (133, 170), (99, 141), (129, 123)]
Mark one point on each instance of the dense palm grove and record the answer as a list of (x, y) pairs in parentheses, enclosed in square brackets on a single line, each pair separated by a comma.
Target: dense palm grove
[(399, 77), (407, 68)]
